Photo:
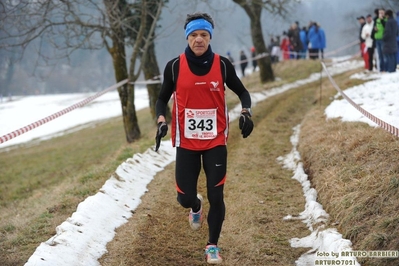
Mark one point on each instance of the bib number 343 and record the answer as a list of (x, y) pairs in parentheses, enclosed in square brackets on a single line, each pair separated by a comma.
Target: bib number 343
[(200, 123)]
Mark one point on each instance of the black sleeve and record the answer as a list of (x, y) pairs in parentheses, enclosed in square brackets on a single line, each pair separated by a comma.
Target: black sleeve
[(168, 86), (373, 32), (234, 83)]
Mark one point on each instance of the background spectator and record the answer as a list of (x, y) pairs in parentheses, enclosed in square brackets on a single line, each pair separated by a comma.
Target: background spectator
[(304, 40), (397, 38), (295, 40), (314, 40), (363, 49), (368, 43), (379, 33), (275, 49), (390, 45), (322, 41), (285, 46), (254, 61)]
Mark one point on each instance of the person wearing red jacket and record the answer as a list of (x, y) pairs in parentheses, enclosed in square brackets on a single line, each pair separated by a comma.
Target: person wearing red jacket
[(285, 46), (200, 124)]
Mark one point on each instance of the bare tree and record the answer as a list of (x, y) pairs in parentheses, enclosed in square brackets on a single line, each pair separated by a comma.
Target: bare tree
[(66, 26), (254, 11), (150, 64), (387, 4)]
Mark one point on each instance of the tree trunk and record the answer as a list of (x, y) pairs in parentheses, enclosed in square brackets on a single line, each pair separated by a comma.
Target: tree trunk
[(265, 64), (151, 71), (132, 129), (150, 64), (10, 73), (118, 53), (254, 11), (126, 92)]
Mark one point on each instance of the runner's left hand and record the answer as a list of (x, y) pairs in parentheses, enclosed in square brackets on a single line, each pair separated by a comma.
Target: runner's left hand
[(245, 123)]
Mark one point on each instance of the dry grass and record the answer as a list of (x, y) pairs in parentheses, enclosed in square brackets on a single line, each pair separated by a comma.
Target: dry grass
[(355, 169), (285, 72)]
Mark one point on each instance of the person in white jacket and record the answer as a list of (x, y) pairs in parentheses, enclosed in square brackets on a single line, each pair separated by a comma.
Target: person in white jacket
[(367, 36)]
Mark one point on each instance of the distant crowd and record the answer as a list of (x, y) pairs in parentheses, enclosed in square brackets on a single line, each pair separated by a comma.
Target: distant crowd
[(299, 43), (379, 40), (295, 43)]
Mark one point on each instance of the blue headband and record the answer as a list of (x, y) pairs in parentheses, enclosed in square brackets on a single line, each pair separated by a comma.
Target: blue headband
[(198, 24)]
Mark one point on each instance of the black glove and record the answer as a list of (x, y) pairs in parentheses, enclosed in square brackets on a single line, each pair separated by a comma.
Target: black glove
[(162, 129), (246, 125)]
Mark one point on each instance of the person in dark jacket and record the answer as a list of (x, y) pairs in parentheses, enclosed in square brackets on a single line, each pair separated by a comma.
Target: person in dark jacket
[(295, 40), (397, 38), (390, 46), (323, 41), (303, 35)]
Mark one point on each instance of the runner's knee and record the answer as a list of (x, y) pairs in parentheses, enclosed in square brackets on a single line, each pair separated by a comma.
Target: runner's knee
[(186, 200)]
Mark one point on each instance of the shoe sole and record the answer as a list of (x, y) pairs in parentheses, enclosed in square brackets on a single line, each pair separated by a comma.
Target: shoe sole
[(197, 226)]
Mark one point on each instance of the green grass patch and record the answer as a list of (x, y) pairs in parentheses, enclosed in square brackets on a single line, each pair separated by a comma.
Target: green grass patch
[(44, 182)]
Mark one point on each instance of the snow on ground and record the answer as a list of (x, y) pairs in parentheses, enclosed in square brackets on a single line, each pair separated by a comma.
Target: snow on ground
[(379, 97), (22, 111), (325, 244), (82, 238)]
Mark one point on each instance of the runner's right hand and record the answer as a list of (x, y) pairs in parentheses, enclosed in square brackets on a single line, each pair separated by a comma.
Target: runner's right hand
[(162, 129)]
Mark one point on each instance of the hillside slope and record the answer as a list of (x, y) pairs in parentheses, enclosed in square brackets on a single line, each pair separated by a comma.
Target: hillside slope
[(353, 167)]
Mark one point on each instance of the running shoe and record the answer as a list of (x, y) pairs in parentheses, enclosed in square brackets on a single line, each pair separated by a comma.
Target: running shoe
[(195, 218), (212, 255)]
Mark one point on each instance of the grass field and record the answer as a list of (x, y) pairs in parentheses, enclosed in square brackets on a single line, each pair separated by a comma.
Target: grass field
[(354, 168)]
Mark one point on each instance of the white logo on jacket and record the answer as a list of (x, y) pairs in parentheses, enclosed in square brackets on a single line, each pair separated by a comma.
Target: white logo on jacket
[(215, 85)]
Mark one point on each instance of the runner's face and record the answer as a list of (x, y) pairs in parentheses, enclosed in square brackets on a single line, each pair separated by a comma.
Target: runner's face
[(199, 41)]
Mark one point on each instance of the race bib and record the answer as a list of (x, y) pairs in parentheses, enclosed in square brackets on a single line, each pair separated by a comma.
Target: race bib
[(200, 123)]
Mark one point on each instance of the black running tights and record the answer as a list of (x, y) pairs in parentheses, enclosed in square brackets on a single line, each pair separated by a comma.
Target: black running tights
[(188, 167)]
